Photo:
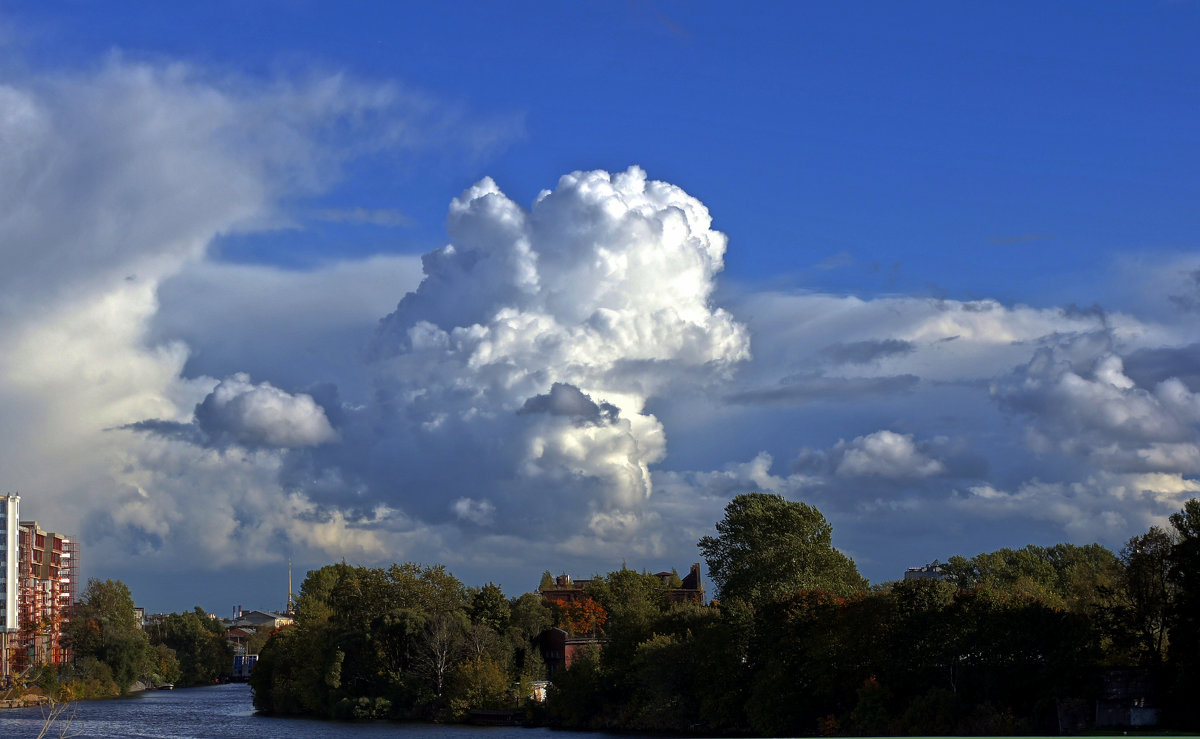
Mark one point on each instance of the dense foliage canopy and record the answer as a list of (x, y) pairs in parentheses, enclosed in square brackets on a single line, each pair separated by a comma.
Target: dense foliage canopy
[(1014, 641), (767, 547), (405, 642)]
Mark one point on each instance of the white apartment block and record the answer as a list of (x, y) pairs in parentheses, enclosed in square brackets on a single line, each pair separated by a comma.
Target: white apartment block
[(10, 534)]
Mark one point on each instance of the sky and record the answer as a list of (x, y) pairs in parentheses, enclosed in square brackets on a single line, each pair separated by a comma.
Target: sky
[(515, 287)]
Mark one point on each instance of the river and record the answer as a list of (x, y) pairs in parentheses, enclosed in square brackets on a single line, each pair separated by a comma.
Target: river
[(226, 711)]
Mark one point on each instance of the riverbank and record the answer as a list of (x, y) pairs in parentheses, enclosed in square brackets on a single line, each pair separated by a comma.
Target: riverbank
[(33, 696), (226, 712), (24, 701)]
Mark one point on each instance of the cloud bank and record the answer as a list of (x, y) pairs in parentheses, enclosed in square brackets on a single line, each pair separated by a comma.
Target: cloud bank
[(506, 400)]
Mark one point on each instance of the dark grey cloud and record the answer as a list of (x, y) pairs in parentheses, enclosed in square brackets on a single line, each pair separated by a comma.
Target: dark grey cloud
[(864, 352), (1094, 311), (188, 432), (565, 399), (1188, 301), (1148, 367), (812, 388)]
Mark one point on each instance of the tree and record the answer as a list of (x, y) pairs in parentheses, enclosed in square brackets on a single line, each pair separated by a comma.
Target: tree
[(443, 640), (1064, 575), (165, 667), (529, 616), (489, 607), (104, 625), (478, 683), (199, 644), (1184, 614), (1145, 593), (584, 616), (768, 547), (256, 641), (631, 600)]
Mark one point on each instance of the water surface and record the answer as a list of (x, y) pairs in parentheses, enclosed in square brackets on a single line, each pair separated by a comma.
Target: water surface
[(226, 711)]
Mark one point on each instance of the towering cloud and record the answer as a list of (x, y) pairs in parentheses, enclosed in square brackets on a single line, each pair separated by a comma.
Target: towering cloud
[(535, 340)]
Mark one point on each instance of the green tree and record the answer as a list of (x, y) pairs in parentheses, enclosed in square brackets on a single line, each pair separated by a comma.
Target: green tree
[(104, 626), (296, 671), (632, 600), (1062, 576), (768, 547), (478, 683), (1184, 621), (489, 607), (432, 590), (199, 644), (369, 642), (256, 641), (165, 666), (1145, 596), (529, 616), (578, 699)]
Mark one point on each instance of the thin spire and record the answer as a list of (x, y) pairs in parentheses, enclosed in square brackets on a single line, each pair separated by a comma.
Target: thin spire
[(289, 598)]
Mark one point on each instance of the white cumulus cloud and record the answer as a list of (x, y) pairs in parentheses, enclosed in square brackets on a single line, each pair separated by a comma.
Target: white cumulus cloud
[(884, 454), (536, 338), (262, 415)]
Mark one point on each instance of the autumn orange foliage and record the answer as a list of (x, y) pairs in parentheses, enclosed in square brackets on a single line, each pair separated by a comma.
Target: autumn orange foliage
[(584, 616)]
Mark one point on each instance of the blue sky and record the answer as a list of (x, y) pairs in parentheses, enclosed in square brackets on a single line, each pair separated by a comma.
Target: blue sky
[(956, 309)]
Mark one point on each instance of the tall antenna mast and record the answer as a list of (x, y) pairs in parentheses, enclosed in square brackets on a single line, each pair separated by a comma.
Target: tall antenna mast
[(289, 598)]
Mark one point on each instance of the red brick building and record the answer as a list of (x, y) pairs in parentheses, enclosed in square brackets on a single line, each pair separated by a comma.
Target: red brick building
[(691, 589)]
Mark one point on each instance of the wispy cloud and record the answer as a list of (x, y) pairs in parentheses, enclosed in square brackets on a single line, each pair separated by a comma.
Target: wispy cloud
[(385, 217), (812, 388)]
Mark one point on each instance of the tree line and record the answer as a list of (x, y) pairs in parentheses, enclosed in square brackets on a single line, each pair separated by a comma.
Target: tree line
[(111, 650), (795, 641), (798, 644)]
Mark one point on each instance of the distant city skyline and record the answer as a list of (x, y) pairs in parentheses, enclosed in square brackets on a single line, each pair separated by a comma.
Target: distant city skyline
[(523, 287)]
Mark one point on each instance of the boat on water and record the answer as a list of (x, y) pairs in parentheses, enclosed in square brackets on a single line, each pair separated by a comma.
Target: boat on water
[(167, 686)]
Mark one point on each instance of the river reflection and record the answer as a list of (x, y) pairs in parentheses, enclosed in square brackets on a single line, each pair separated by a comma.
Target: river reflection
[(226, 711)]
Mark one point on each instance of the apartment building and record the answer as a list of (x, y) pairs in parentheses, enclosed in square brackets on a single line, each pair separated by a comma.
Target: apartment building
[(10, 523), (41, 575)]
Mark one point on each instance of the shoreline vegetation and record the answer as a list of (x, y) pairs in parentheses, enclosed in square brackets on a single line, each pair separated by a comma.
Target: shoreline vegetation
[(1031, 641), (796, 642), (112, 655)]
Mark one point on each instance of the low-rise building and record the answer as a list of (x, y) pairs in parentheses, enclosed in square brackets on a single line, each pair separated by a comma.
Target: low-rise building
[(559, 649), (255, 619), (933, 571), (690, 589)]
